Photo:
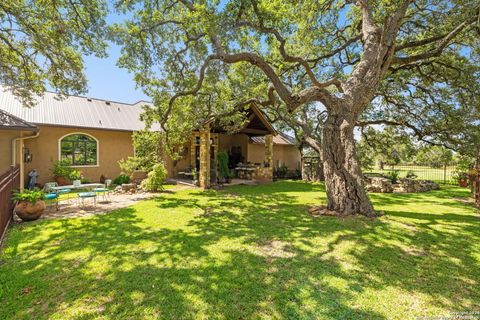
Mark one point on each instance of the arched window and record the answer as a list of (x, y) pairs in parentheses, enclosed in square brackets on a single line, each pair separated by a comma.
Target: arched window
[(80, 149)]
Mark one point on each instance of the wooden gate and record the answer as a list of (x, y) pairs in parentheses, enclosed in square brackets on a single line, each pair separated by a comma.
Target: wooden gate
[(9, 181)]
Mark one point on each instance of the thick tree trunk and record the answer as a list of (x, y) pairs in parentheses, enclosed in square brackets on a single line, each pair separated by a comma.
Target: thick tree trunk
[(343, 176)]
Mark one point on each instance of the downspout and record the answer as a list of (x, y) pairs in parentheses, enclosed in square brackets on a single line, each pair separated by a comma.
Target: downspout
[(14, 155)]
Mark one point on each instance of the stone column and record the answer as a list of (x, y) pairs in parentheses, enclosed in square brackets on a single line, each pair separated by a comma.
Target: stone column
[(269, 150), (204, 174)]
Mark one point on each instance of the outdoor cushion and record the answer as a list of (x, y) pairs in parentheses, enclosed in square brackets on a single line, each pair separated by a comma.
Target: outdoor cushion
[(87, 194), (64, 190), (100, 189), (50, 196)]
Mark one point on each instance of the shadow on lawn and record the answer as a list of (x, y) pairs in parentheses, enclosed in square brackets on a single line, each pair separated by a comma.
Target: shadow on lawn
[(152, 271)]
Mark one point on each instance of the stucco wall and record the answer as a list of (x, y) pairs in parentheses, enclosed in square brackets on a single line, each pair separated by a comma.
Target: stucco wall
[(282, 154), (112, 146), (6, 137)]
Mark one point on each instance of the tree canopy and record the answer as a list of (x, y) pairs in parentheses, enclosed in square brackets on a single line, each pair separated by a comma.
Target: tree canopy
[(43, 41)]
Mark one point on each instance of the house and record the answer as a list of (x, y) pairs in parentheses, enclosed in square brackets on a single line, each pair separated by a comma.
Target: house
[(94, 134)]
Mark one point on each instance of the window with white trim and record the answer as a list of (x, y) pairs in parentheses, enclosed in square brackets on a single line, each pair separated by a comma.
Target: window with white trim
[(79, 149)]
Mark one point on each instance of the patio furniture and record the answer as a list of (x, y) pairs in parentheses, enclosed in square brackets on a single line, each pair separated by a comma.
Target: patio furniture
[(86, 195), (105, 191), (52, 187), (87, 186), (50, 199)]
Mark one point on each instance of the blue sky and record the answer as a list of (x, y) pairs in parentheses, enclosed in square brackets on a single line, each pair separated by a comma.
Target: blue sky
[(107, 81)]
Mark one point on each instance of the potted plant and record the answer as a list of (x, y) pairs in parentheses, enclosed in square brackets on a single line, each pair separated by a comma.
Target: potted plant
[(76, 177), (224, 171), (30, 204), (61, 171), (462, 178)]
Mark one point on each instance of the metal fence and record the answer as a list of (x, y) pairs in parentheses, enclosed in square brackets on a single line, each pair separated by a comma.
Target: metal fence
[(441, 174), (9, 181)]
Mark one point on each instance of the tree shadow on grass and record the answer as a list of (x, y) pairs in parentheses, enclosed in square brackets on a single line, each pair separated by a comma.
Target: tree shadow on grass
[(132, 263)]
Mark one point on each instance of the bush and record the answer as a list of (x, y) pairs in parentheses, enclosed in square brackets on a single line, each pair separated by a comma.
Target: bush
[(62, 168), (411, 175), (155, 178), (129, 165), (281, 172), (222, 158), (393, 176), (121, 179), (75, 175), (28, 195)]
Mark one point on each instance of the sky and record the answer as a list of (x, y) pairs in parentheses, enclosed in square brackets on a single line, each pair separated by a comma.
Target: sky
[(109, 82)]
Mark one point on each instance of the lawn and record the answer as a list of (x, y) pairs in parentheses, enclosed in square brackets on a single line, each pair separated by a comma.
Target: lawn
[(247, 253)]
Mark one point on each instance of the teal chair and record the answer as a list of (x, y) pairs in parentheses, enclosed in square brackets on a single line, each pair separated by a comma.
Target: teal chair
[(50, 199), (105, 192), (85, 195)]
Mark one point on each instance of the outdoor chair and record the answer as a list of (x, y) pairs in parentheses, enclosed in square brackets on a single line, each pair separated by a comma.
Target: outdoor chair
[(47, 187), (50, 199), (85, 195), (105, 192)]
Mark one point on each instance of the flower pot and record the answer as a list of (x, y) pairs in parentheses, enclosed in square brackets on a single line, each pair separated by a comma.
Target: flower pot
[(463, 183), (28, 211), (61, 181)]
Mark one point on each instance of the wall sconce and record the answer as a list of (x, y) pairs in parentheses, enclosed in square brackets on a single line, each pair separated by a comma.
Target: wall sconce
[(27, 155)]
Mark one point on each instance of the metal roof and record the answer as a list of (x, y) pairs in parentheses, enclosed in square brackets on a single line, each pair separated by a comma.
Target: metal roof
[(279, 139), (10, 122), (76, 111)]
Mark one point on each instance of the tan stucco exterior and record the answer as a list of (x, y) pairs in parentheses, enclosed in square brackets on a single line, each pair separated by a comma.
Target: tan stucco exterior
[(282, 155), (6, 137), (112, 147)]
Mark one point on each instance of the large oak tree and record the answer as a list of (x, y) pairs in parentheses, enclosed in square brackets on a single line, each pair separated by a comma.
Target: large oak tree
[(368, 60), (42, 42)]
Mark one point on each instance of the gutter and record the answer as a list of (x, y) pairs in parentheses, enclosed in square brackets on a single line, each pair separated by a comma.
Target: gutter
[(14, 145)]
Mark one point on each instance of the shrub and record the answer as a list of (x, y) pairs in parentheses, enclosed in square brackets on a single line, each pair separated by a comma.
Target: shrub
[(75, 175), (222, 158), (129, 165), (411, 175), (281, 172), (393, 176), (62, 168), (121, 179), (28, 195), (155, 178)]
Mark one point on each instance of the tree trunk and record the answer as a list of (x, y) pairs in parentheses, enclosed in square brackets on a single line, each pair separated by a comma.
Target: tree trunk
[(343, 176)]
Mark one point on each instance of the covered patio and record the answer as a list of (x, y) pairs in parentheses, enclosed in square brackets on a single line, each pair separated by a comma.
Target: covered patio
[(248, 161)]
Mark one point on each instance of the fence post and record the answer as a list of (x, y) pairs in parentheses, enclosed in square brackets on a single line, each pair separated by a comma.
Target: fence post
[(445, 173)]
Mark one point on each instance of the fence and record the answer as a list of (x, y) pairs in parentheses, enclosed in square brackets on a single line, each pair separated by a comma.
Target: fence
[(442, 174), (9, 181)]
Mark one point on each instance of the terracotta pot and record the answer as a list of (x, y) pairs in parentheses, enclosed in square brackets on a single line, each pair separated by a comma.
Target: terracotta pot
[(28, 211), (463, 183), (61, 181)]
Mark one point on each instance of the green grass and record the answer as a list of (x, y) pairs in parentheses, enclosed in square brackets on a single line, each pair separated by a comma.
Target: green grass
[(247, 253)]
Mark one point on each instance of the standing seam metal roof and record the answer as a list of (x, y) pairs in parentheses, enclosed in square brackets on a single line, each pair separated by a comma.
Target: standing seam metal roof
[(76, 111)]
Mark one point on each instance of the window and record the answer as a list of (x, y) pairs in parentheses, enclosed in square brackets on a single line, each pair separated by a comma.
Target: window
[(79, 149)]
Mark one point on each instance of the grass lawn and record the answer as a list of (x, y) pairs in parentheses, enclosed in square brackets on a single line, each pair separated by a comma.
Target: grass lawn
[(247, 253)]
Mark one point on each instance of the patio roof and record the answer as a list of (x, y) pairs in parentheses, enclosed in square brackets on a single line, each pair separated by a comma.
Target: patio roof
[(10, 122)]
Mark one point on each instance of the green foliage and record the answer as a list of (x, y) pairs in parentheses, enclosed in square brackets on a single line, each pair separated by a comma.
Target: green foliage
[(222, 158), (28, 195), (393, 176), (61, 168), (411, 174), (434, 156), (129, 165), (75, 175), (121, 179), (390, 146), (281, 172), (148, 147), (43, 42), (155, 178)]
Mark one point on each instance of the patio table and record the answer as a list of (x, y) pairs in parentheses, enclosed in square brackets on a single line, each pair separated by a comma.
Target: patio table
[(80, 186)]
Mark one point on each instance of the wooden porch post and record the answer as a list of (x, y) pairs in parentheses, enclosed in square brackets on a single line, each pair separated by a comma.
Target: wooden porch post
[(204, 174)]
